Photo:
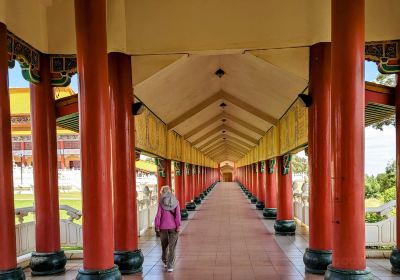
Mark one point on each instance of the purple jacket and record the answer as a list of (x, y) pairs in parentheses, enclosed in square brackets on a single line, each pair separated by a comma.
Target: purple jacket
[(165, 219)]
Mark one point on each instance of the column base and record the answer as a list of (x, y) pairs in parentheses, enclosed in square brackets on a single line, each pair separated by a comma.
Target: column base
[(317, 261), (269, 213), (260, 205), (184, 214), (249, 195), (197, 200), (12, 274), (108, 274), (129, 262), (202, 196), (48, 263), (395, 261), (285, 227), (337, 273), (191, 206), (253, 200)]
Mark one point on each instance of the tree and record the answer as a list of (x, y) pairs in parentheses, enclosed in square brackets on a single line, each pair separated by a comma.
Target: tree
[(387, 80), (372, 187), (387, 180), (299, 164)]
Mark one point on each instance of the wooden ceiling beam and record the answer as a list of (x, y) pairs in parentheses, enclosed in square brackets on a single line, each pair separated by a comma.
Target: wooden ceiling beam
[(208, 135), (226, 142), (241, 134), (227, 149), (244, 124), (194, 110), (203, 126), (221, 116), (249, 108)]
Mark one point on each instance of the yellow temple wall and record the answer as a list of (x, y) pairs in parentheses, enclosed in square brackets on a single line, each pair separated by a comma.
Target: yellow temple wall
[(290, 134), (153, 137)]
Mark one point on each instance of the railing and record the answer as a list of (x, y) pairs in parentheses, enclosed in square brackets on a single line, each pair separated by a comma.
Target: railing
[(381, 233), (71, 233)]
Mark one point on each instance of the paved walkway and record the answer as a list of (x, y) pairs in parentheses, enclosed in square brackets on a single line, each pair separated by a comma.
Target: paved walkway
[(228, 239)]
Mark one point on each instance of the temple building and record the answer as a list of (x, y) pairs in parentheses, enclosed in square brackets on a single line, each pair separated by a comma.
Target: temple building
[(217, 96)]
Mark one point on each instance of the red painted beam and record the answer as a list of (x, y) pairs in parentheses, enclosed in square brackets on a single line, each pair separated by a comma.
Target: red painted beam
[(379, 94)]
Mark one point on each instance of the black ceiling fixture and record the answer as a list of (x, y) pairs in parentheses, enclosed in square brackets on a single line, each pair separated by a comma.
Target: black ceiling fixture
[(220, 73), (306, 99), (223, 131), (223, 120), (222, 105), (137, 108), (224, 138)]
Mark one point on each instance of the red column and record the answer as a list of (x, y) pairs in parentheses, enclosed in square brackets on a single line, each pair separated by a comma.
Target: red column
[(194, 175), (45, 175), (127, 255), (254, 178), (395, 256), (188, 182), (319, 254), (8, 261), (163, 173), (348, 104), (178, 182), (284, 224), (62, 157), (271, 189), (95, 136), (261, 185)]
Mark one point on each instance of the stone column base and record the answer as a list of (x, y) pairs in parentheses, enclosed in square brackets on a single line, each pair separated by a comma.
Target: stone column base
[(191, 206), (269, 213), (285, 227), (317, 261), (197, 200), (108, 274), (129, 262), (253, 200), (12, 274), (184, 214), (395, 261), (47, 263), (260, 205), (336, 274)]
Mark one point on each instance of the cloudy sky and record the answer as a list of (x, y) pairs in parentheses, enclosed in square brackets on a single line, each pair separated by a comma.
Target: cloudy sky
[(379, 145)]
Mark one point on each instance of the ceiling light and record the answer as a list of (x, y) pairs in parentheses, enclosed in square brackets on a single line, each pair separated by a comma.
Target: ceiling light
[(223, 120), (137, 108), (223, 131), (223, 105), (220, 73), (306, 99)]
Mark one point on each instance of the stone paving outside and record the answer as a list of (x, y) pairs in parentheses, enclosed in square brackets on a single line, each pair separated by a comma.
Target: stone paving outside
[(227, 239)]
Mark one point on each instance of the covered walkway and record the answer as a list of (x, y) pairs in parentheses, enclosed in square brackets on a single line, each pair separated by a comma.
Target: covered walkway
[(227, 239)]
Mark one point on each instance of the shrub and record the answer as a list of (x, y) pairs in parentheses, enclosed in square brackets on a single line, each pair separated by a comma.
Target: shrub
[(373, 218), (389, 194)]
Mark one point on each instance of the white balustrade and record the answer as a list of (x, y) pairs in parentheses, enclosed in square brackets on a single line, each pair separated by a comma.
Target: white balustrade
[(71, 233), (381, 233)]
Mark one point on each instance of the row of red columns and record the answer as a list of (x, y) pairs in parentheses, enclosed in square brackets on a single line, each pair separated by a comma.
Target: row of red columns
[(336, 152), (190, 181)]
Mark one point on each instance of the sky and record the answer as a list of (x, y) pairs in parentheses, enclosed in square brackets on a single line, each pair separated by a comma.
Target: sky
[(379, 145)]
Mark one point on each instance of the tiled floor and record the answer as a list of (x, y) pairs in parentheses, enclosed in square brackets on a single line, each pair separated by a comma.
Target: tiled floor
[(228, 239)]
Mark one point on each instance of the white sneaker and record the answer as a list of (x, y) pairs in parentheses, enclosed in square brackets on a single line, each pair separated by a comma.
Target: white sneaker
[(170, 269)]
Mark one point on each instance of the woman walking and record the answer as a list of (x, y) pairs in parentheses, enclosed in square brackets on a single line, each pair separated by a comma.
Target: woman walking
[(167, 222)]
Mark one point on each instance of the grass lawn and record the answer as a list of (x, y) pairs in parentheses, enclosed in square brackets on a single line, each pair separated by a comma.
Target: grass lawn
[(73, 199), (373, 202)]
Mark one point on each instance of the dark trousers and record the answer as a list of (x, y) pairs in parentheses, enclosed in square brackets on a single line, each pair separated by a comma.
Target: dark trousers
[(169, 238)]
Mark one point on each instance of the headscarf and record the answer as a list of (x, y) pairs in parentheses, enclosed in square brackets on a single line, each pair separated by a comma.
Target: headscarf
[(168, 201)]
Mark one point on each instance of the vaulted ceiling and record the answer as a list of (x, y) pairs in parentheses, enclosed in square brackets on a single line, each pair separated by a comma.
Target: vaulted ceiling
[(225, 116)]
